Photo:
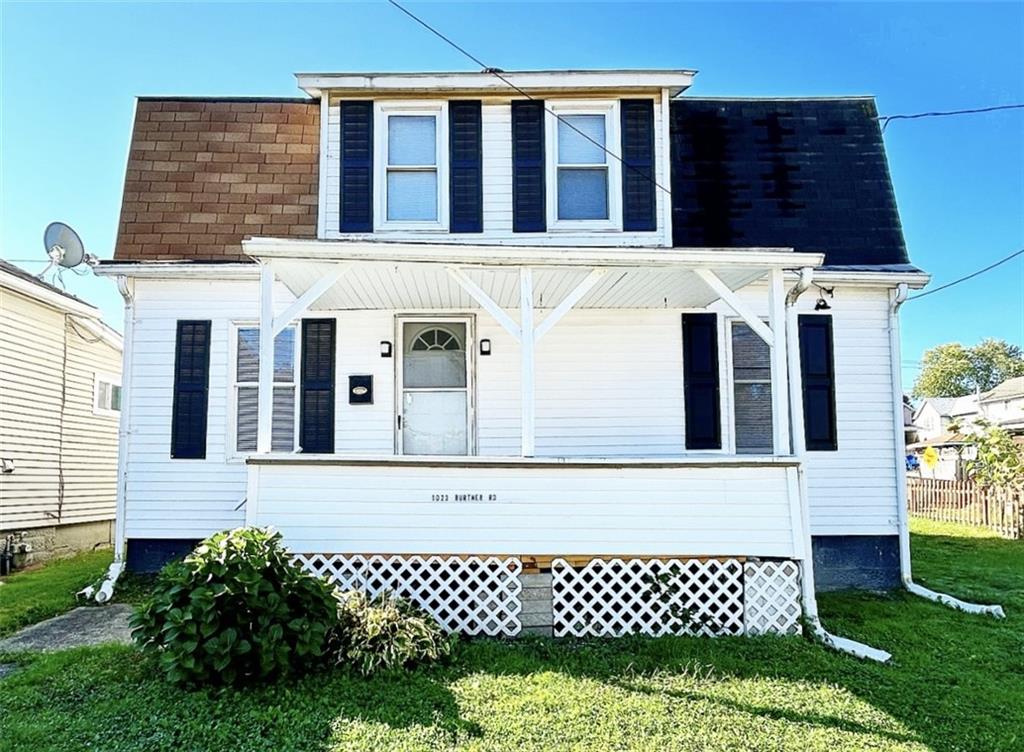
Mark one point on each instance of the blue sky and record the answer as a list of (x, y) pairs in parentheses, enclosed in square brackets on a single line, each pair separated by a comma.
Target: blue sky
[(69, 72)]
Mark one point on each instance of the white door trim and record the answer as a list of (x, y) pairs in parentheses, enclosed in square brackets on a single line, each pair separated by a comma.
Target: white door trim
[(469, 320)]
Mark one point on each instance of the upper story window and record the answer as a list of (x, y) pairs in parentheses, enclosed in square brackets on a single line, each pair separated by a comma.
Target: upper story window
[(412, 158), (584, 179)]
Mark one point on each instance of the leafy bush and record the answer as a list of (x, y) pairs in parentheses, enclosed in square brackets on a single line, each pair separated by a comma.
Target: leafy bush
[(387, 632), (236, 610)]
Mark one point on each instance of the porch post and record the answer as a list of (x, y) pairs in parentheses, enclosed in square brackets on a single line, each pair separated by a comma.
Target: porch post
[(527, 342), (265, 391), (779, 363)]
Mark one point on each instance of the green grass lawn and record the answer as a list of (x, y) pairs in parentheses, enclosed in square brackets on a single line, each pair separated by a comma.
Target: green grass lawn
[(41, 592), (956, 683)]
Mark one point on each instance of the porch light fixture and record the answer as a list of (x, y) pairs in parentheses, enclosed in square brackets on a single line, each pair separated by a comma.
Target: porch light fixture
[(822, 304), (485, 347), (385, 349)]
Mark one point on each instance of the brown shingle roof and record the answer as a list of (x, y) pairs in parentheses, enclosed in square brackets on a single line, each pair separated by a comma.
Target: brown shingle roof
[(205, 173)]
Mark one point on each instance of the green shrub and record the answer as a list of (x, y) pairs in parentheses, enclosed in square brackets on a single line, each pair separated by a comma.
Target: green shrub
[(387, 632), (237, 610)]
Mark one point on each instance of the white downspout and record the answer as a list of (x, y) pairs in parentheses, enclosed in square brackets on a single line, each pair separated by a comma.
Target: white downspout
[(105, 591), (897, 297), (796, 412)]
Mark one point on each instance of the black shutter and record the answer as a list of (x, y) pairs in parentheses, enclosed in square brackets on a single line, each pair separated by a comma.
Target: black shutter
[(316, 413), (700, 381), (466, 175), (639, 202), (357, 166), (528, 204), (191, 390), (817, 370)]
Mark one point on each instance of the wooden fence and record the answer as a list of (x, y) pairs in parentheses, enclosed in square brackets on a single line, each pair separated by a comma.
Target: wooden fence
[(999, 509)]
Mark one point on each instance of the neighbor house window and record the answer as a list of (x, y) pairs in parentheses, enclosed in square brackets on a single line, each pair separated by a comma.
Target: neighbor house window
[(107, 395), (752, 391), (246, 390), (413, 185), (585, 177)]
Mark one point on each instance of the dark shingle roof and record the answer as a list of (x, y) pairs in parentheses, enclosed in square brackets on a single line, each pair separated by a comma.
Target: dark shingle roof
[(808, 174)]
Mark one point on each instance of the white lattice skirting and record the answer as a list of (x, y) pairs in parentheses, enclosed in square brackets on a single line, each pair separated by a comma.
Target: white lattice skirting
[(473, 595), (675, 596)]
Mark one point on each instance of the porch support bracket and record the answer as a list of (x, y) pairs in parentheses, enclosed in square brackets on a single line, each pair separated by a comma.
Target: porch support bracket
[(570, 300), (308, 298), (486, 302), (734, 301)]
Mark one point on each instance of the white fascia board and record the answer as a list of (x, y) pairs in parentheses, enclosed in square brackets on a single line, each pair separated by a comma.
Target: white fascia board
[(47, 296), (98, 329), (179, 270), (505, 255), (675, 81), (915, 280)]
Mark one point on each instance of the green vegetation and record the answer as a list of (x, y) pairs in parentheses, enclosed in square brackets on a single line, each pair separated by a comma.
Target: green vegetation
[(38, 593), (237, 610), (955, 684)]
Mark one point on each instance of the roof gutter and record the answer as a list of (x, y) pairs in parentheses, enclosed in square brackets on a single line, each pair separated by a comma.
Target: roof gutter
[(897, 297)]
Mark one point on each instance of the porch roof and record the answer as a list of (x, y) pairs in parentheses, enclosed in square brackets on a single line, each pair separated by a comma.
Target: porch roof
[(382, 275)]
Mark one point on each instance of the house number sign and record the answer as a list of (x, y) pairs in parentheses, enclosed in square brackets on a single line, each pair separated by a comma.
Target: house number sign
[(461, 496)]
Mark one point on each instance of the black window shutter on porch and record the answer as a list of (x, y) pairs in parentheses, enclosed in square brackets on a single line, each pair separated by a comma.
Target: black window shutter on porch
[(356, 167), (817, 370), (316, 412), (700, 381), (466, 190), (639, 202), (528, 192), (191, 390)]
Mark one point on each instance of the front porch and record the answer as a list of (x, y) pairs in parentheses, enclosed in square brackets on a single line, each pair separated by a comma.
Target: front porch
[(555, 534)]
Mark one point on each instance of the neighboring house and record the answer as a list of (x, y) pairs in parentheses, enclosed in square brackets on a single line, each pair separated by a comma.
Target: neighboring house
[(951, 421), (60, 385), (502, 358)]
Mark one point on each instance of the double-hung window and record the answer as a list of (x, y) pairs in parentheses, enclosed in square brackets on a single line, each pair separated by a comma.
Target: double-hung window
[(752, 391), (412, 190), (584, 176), (246, 389)]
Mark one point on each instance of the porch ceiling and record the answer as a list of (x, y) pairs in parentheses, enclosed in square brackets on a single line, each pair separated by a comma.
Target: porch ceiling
[(387, 285), (416, 276)]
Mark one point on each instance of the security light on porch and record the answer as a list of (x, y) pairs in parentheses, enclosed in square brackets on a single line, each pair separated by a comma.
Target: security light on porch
[(822, 304), (385, 349), (485, 347)]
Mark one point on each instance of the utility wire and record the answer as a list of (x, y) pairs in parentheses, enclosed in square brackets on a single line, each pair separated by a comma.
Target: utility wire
[(990, 267), (886, 119), (497, 72)]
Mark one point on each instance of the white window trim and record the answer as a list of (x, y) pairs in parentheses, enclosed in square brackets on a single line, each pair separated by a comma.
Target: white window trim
[(108, 378), (231, 452), (613, 141), (382, 110)]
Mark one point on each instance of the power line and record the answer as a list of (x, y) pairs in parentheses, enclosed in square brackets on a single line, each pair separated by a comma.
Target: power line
[(972, 275), (886, 119), (497, 72)]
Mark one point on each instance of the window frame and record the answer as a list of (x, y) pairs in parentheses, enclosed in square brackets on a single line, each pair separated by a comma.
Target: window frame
[(101, 377), (730, 322), (612, 143), (231, 433), (382, 112)]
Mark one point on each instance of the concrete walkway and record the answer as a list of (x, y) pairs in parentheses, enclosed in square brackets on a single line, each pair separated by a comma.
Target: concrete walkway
[(92, 625)]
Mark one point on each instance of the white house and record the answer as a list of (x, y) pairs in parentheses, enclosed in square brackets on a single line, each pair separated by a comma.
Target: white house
[(530, 346), (60, 383)]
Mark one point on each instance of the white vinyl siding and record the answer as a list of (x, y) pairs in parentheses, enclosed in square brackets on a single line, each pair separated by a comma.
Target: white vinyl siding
[(44, 359), (496, 118), (609, 384)]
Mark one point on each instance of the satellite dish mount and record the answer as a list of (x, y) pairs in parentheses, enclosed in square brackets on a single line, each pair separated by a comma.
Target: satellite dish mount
[(64, 248)]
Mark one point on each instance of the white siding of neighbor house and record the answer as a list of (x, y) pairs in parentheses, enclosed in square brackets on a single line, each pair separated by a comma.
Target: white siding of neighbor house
[(42, 357), (609, 384), (496, 116)]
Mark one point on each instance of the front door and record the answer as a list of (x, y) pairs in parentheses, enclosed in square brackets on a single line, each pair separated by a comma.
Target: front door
[(434, 386)]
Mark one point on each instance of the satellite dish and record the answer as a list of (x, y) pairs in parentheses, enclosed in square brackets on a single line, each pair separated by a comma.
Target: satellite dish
[(63, 245)]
